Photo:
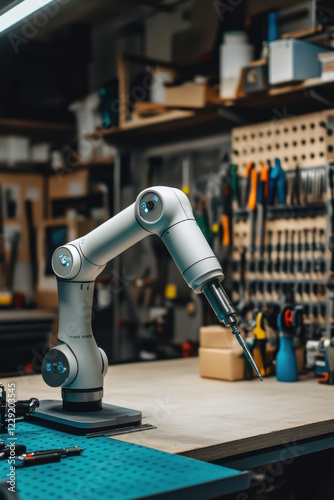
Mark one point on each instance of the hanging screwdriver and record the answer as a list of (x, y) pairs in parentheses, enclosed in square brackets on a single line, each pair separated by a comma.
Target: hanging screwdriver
[(314, 250), (234, 185), (300, 250), (278, 252), (308, 263), (245, 191), (292, 253), (322, 249), (269, 252), (286, 252), (269, 290), (252, 198), (262, 197), (226, 217), (277, 184)]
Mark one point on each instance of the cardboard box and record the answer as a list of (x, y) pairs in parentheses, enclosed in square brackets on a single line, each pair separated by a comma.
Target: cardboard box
[(191, 95), (68, 184), (218, 337), (293, 60), (224, 364)]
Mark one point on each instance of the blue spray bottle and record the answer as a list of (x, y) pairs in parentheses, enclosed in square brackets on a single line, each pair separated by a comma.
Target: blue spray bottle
[(288, 322)]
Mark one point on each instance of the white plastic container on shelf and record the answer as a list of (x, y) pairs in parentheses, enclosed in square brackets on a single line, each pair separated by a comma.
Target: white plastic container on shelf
[(159, 78), (87, 120), (235, 54), (14, 149), (40, 152)]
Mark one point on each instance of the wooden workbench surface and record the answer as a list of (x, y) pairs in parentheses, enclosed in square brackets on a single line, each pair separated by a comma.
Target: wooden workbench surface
[(208, 419)]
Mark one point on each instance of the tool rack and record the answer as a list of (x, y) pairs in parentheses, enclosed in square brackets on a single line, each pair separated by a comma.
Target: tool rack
[(293, 263)]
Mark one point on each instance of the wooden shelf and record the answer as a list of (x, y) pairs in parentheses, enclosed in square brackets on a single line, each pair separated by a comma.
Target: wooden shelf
[(143, 123), (292, 94), (99, 161), (38, 131), (45, 168), (176, 125), (173, 126), (25, 167)]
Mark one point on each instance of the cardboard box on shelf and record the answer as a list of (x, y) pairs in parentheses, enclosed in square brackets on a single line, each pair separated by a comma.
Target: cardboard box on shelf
[(327, 66), (293, 60), (191, 95), (68, 184), (224, 364)]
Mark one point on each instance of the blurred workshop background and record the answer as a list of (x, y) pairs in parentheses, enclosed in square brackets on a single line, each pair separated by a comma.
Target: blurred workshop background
[(230, 101)]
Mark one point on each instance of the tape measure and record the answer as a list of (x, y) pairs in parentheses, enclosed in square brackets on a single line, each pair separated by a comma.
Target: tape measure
[(290, 319)]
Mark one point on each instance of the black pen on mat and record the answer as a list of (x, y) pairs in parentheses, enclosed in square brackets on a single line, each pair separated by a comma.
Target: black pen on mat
[(63, 452), (16, 450), (51, 458)]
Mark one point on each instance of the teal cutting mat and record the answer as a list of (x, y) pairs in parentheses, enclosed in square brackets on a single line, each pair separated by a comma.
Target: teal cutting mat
[(115, 470)]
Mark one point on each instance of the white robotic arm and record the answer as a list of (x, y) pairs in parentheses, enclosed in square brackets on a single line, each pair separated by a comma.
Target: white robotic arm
[(76, 363)]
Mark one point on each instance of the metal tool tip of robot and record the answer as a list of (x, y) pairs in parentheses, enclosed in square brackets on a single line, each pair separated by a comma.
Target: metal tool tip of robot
[(225, 312), (248, 355)]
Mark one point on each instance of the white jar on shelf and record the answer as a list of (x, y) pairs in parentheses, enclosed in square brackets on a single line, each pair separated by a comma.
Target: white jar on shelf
[(14, 149), (235, 54), (88, 119)]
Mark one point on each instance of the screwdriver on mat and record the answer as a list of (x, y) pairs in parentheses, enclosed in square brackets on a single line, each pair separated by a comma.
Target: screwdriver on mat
[(41, 457), (37, 460), (63, 452), (18, 450)]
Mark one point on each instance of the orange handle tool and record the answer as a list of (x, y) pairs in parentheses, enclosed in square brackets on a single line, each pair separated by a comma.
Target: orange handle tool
[(264, 178), (226, 230), (253, 189)]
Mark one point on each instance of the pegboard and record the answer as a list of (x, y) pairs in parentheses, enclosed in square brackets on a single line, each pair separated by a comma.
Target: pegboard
[(241, 235), (307, 140), (115, 470), (302, 269)]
